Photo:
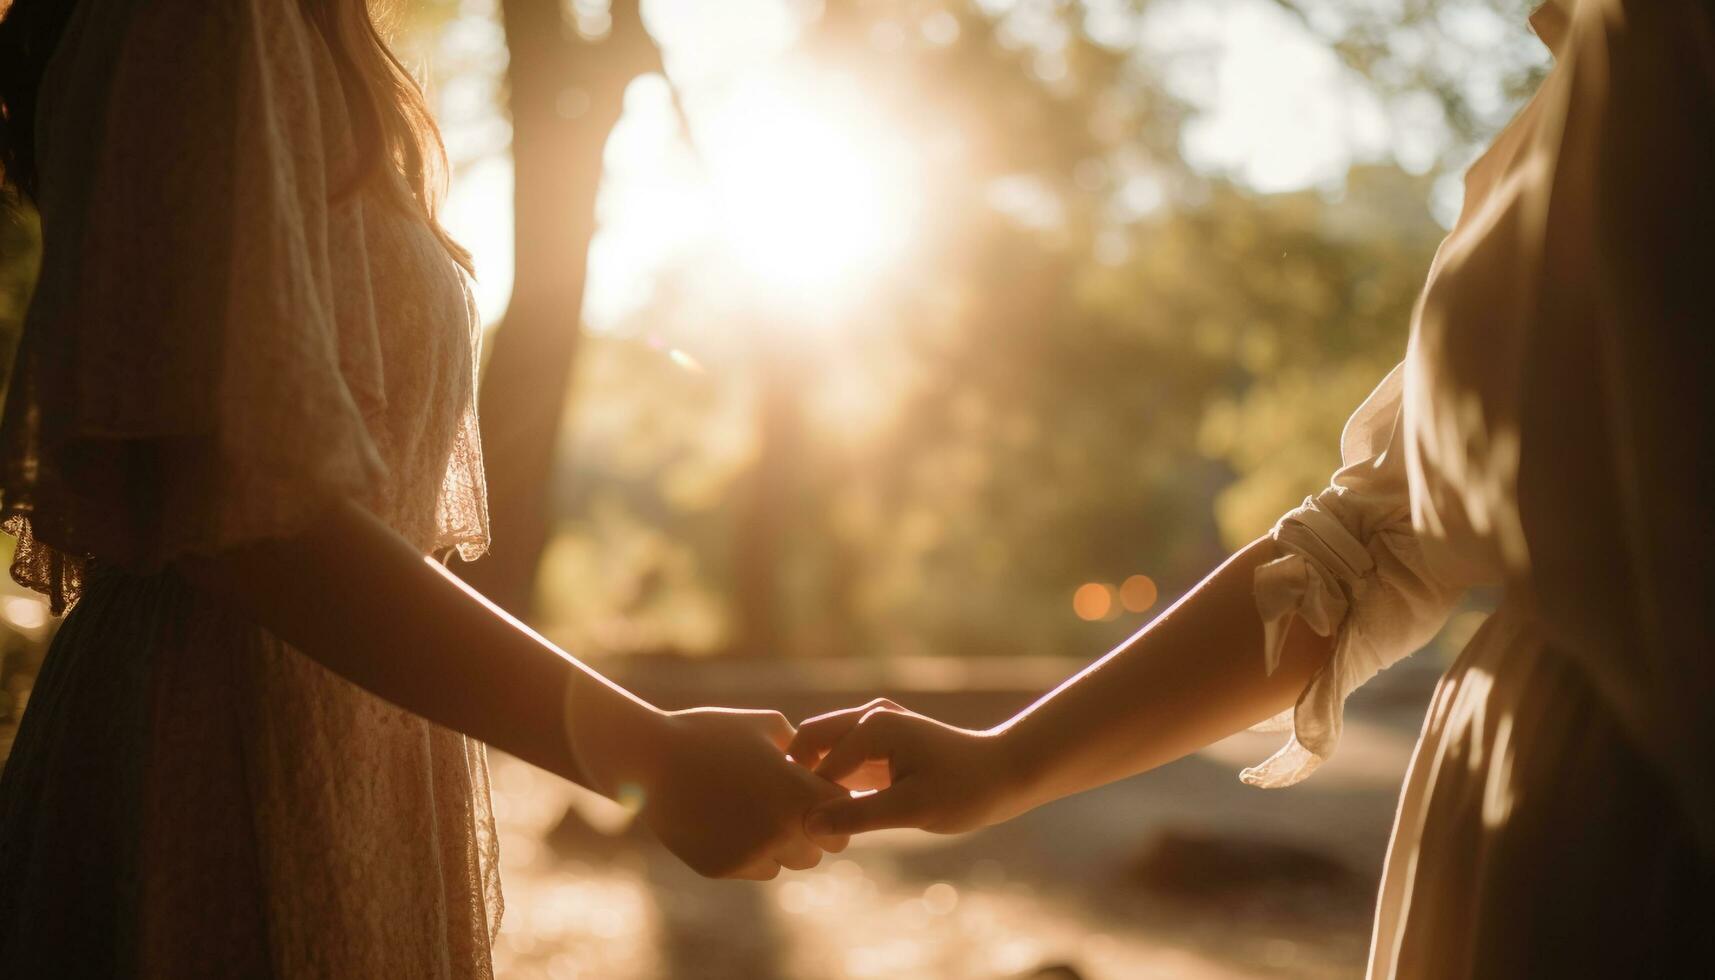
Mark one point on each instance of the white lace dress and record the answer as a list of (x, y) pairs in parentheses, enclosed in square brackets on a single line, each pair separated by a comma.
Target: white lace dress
[(1550, 432), (218, 342)]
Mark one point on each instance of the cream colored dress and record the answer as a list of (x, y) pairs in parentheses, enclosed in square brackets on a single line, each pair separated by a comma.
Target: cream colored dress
[(1550, 432), (219, 343)]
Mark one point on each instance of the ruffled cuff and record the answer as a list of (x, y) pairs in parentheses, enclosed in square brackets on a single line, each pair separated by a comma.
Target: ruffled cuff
[(1323, 573)]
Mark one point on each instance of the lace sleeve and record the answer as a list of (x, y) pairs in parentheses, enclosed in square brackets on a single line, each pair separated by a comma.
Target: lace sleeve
[(200, 358)]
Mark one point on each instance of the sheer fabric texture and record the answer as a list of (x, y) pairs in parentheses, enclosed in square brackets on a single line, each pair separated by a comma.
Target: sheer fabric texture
[(220, 343), (1548, 433)]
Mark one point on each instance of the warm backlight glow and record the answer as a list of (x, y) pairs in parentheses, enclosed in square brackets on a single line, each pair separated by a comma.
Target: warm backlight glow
[(815, 195), (794, 198)]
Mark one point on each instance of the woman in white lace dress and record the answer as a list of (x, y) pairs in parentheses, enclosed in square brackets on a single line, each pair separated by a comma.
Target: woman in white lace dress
[(1549, 432), (245, 399)]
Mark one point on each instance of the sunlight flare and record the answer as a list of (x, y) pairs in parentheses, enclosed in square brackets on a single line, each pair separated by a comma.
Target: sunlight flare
[(816, 197)]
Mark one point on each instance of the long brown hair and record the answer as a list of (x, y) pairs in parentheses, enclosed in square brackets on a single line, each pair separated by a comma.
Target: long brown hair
[(390, 118)]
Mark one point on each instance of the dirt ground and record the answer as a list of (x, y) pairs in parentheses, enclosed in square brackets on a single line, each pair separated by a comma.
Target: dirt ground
[(1183, 872)]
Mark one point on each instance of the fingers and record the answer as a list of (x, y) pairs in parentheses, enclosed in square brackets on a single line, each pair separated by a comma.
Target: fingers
[(761, 869), (900, 806), (799, 854), (816, 791), (873, 774), (785, 804), (817, 735), (866, 741)]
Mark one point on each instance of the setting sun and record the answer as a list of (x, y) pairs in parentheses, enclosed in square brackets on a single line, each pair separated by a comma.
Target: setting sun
[(793, 196), (814, 195)]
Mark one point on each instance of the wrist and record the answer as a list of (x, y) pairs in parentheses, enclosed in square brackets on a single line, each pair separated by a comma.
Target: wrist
[(616, 739), (1019, 767)]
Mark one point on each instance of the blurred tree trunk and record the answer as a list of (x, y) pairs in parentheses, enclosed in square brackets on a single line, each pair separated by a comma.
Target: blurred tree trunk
[(766, 507), (566, 93)]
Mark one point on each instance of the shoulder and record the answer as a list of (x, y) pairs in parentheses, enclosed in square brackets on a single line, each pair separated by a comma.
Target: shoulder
[(166, 51), (161, 89)]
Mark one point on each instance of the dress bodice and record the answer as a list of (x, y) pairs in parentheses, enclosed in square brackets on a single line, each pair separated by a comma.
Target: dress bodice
[(223, 336)]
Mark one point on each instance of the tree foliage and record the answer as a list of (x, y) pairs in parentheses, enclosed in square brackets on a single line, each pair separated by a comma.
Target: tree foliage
[(1079, 388)]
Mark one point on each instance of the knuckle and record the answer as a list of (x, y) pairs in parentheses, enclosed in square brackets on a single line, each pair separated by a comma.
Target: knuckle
[(880, 720), (825, 718)]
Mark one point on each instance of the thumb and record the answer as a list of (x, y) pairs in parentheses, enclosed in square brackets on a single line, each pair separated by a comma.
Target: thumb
[(899, 806)]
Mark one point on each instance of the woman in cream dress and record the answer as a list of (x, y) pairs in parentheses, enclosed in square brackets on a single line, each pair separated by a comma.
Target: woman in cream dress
[(1549, 432), (242, 414)]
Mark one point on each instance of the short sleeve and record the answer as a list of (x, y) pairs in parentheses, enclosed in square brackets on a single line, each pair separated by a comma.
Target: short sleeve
[(200, 359), (1351, 568)]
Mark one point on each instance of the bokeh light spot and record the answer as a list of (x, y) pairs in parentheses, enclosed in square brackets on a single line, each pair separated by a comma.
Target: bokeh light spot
[(940, 898), (1092, 601), (1138, 593), (24, 612)]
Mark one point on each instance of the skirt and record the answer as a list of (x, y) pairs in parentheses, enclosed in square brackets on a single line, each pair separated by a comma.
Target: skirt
[(189, 797), (1532, 839)]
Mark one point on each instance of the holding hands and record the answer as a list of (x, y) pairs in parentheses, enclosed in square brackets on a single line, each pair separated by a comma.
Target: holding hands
[(722, 796), (919, 772), (740, 794), (712, 784)]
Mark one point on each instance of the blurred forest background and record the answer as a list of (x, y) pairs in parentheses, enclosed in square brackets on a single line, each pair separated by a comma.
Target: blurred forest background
[(925, 327), (908, 327), (885, 330)]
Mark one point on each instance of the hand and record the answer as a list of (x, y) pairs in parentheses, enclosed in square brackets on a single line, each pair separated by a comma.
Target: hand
[(927, 774), (715, 787)]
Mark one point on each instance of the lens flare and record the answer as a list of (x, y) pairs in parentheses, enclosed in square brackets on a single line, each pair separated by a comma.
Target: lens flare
[(816, 195)]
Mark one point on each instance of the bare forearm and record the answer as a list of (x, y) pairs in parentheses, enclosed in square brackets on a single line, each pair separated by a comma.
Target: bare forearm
[(1194, 675), (361, 601)]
